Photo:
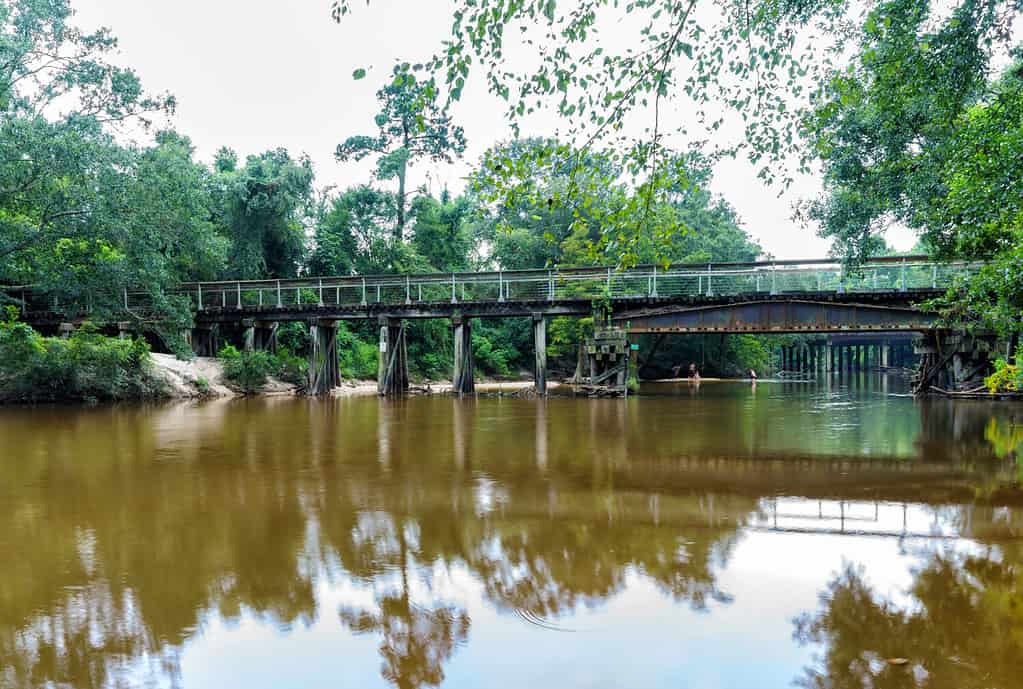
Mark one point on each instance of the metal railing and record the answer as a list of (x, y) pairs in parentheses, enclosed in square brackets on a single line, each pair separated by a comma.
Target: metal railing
[(554, 285)]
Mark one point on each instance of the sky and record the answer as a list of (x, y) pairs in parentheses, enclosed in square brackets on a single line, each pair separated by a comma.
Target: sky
[(254, 75)]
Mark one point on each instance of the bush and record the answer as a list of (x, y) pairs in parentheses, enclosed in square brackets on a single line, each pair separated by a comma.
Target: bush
[(88, 366), (356, 357), (289, 367), (1007, 377), (247, 370)]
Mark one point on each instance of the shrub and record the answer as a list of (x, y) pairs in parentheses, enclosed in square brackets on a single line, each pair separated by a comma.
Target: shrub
[(247, 370), (1007, 377), (356, 357), (289, 367), (88, 366)]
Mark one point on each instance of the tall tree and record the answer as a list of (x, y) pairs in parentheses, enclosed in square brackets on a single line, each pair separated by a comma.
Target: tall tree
[(412, 125), (264, 207), (918, 131)]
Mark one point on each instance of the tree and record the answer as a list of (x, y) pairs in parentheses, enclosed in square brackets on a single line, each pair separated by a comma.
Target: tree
[(263, 208), (917, 132), (59, 96), (747, 65), (440, 234), (412, 126)]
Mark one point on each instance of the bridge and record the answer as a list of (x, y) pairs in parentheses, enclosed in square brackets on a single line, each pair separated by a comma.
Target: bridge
[(804, 296)]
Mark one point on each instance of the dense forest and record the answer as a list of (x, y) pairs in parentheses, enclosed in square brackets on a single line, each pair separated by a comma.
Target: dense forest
[(922, 127)]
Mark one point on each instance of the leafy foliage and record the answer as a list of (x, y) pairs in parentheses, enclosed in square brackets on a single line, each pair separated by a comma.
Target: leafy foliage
[(1007, 377), (85, 367), (918, 132)]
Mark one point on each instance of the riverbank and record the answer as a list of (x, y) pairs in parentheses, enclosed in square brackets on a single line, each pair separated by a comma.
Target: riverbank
[(203, 378)]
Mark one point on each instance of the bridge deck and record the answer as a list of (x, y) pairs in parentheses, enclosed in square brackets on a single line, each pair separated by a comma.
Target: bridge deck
[(774, 296)]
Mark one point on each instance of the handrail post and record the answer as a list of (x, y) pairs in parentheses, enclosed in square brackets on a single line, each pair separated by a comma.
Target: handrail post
[(654, 291), (902, 277), (280, 303), (774, 278), (454, 298), (408, 289), (200, 296), (609, 281), (363, 291), (934, 276), (550, 285), (238, 285), (500, 285), (319, 285), (710, 289)]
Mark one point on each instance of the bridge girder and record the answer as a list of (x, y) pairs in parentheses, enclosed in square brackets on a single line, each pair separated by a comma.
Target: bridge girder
[(779, 316)]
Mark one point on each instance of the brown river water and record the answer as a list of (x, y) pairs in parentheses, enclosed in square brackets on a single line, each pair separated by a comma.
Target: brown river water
[(821, 534)]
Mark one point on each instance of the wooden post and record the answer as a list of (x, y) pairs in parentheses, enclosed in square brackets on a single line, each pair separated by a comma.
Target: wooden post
[(323, 366), (392, 365), (540, 351), (265, 336), (249, 337), (462, 372)]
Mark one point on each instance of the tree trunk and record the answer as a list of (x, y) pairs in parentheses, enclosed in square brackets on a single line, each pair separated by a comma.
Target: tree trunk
[(399, 230)]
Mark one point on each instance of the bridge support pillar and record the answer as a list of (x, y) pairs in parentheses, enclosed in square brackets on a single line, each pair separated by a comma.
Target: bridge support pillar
[(886, 355), (392, 366), (248, 334), (123, 330), (324, 374), (265, 336), (203, 339), (65, 329), (462, 373), (829, 357), (540, 351)]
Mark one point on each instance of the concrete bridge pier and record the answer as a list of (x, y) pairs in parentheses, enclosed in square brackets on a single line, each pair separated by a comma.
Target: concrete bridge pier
[(324, 374), (392, 366), (540, 352), (462, 373)]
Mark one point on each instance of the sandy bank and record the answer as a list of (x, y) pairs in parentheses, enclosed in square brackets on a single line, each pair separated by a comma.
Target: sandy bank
[(204, 377)]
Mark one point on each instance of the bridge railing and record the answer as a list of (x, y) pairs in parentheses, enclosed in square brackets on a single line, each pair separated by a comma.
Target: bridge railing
[(641, 282)]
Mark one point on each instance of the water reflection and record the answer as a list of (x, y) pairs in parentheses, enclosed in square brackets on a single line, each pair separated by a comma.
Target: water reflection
[(962, 628), (128, 532)]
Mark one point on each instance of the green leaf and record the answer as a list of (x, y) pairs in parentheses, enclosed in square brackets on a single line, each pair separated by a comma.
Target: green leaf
[(360, 73)]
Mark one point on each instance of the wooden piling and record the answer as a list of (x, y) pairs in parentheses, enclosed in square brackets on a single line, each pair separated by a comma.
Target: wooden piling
[(540, 353)]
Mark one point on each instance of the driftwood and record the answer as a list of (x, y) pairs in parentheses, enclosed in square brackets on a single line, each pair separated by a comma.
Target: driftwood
[(980, 393)]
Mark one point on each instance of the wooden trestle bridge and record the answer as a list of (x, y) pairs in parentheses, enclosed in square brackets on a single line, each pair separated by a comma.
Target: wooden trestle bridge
[(805, 296)]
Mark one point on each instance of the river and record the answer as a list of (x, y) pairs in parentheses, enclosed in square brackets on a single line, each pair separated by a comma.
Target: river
[(834, 534)]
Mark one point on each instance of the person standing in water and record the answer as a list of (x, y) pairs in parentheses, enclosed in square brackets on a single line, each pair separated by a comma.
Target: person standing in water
[(693, 373)]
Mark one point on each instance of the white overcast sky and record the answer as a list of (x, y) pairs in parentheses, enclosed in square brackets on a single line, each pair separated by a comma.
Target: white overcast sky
[(260, 74)]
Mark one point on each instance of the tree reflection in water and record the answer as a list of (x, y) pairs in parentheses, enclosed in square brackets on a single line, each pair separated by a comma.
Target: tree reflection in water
[(962, 629)]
